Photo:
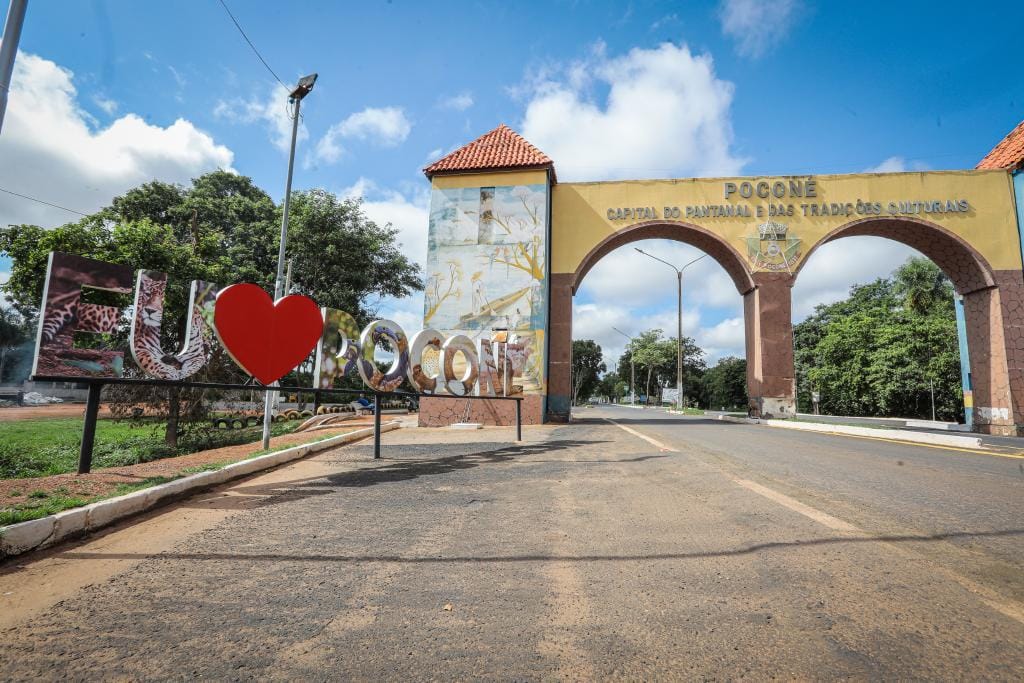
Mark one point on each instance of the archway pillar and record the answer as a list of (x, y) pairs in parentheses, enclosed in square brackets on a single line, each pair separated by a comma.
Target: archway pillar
[(767, 311), (559, 401), (995, 334)]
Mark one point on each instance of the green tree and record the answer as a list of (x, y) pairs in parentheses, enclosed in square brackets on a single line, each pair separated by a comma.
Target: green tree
[(340, 258), (725, 383), (656, 361), (13, 342), (881, 350), (587, 365), (612, 387)]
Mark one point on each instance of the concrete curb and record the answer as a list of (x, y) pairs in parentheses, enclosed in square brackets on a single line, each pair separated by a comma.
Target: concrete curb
[(41, 533), (894, 434)]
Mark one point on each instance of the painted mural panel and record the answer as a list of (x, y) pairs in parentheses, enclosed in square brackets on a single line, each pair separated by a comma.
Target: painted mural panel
[(486, 267)]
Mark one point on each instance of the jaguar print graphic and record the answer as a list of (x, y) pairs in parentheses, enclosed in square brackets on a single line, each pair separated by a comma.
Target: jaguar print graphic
[(151, 286), (63, 314)]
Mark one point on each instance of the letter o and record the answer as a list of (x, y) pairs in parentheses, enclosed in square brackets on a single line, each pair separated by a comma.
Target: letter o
[(779, 189), (368, 340), (454, 385), (746, 190), (420, 380), (762, 190)]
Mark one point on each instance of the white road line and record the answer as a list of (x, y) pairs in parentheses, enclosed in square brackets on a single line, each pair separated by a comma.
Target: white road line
[(1006, 606), (796, 506), (646, 438)]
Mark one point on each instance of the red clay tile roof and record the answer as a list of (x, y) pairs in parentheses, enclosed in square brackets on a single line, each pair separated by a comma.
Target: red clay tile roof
[(501, 148), (1009, 153)]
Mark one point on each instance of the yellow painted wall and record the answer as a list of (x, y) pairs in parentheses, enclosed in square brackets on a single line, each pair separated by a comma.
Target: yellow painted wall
[(580, 210), (445, 182)]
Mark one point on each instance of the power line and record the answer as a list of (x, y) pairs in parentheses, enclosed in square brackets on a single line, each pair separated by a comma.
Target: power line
[(56, 206), (257, 52)]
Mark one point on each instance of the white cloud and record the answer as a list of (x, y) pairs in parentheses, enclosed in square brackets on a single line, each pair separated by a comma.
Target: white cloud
[(628, 277), (108, 105), (409, 214), (52, 149), (460, 102), (897, 165), (834, 267), (665, 21), (598, 321), (890, 165), (666, 114), (271, 111), (756, 26), (385, 127)]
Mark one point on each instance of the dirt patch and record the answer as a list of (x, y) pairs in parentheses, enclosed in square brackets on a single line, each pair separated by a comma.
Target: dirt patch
[(105, 481), (54, 410)]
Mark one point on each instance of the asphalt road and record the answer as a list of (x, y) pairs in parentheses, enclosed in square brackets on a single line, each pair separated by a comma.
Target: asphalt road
[(629, 545)]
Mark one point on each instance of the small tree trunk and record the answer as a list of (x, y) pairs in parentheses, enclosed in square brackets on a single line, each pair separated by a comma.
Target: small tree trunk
[(173, 417)]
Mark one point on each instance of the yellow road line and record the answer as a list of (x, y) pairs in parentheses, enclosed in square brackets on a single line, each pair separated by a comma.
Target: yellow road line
[(1016, 456)]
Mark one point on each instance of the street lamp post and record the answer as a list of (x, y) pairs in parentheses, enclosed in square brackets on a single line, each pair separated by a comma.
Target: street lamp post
[(632, 369), (304, 87), (679, 330)]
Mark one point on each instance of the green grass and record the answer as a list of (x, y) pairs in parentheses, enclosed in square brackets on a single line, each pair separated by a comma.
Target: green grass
[(208, 467), (51, 505), (43, 504), (38, 448), (40, 503)]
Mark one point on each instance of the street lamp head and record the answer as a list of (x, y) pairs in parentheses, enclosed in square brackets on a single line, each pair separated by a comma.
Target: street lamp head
[(304, 87)]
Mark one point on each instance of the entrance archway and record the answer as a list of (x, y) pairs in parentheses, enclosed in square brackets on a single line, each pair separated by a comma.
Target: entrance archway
[(766, 305), (509, 244), (993, 311)]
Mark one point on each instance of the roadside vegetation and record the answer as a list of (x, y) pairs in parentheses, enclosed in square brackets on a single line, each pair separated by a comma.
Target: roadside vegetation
[(882, 350), (38, 448)]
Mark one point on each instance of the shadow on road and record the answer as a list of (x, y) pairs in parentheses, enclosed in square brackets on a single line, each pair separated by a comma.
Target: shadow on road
[(639, 420), (394, 469), (746, 550)]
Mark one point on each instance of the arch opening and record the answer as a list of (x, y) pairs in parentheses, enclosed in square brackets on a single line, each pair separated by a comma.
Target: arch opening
[(992, 365), (708, 242)]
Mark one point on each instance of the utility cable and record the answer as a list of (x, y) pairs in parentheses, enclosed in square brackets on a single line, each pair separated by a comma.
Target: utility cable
[(56, 206), (257, 52)]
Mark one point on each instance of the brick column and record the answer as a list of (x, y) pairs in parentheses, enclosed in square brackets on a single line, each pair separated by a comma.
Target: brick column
[(560, 348), (767, 312), (995, 336)]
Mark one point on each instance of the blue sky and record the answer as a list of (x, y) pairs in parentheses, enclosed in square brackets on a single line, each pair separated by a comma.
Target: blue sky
[(112, 93)]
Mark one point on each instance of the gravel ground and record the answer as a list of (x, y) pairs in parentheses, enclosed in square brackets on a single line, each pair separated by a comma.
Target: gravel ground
[(583, 553)]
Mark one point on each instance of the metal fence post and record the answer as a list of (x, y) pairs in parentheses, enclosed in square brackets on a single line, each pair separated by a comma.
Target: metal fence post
[(519, 420), (316, 401), (92, 411), (376, 426)]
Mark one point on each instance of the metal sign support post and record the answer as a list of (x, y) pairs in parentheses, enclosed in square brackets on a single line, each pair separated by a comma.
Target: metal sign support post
[(376, 426), (519, 420), (92, 413)]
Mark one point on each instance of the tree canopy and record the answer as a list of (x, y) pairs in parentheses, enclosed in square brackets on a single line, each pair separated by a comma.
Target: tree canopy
[(655, 358), (882, 349), (587, 367)]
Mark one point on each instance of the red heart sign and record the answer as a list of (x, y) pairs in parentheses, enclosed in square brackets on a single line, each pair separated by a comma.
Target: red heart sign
[(267, 339)]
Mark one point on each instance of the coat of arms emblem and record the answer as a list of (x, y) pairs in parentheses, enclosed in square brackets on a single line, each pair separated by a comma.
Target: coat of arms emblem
[(774, 247)]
